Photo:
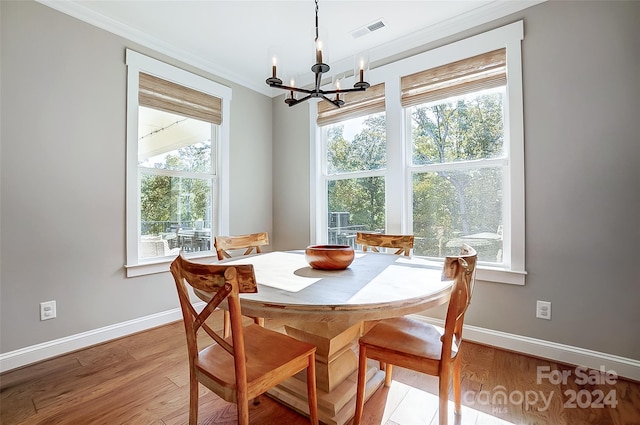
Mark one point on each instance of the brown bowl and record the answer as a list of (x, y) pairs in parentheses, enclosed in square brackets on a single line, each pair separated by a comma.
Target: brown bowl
[(329, 257)]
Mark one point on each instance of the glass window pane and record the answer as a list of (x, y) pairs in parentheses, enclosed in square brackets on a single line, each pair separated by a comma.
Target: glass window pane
[(173, 142), (455, 207), (355, 205), (458, 129), (175, 210), (358, 144)]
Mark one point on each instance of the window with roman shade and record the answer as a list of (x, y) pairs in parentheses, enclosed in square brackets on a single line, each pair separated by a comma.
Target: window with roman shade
[(459, 166), (177, 146), (355, 152)]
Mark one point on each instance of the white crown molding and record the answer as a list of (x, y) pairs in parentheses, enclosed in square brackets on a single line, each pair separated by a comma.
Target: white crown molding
[(91, 17), (486, 13)]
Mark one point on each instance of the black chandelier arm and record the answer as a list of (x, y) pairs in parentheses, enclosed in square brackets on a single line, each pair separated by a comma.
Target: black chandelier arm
[(292, 102), (318, 91), (336, 103)]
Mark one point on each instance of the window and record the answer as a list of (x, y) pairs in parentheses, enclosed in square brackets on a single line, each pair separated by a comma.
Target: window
[(354, 146), (455, 133), (176, 159), (452, 170)]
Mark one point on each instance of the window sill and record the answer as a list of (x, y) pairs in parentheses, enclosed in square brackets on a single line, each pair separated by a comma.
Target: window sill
[(491, 274), (487, 273), (160, 265)]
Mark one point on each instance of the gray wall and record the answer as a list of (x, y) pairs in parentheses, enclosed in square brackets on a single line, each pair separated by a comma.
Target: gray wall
[(582, 149), (291, 148), (63, 177)]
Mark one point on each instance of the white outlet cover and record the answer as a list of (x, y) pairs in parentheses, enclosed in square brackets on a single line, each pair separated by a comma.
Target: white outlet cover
[(543, 310), (48, 310)]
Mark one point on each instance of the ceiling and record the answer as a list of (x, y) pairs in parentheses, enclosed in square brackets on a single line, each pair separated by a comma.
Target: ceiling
[(235, 39)]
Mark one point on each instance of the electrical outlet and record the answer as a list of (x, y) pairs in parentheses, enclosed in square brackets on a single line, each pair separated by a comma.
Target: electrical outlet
[(48, 310), (543, 310)]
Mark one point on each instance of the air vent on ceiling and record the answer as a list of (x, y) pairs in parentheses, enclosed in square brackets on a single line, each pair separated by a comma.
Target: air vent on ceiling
[(367, 29)]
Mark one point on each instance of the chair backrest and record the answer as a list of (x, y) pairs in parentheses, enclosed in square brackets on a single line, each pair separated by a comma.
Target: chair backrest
[(226, 282), (250, 242), (401, 243), (461, 269)]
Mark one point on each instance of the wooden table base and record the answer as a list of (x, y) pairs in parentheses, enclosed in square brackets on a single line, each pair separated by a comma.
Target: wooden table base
[(336, 371)]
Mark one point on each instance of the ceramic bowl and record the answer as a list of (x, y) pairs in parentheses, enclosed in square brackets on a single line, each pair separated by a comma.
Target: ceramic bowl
[(329, 257)]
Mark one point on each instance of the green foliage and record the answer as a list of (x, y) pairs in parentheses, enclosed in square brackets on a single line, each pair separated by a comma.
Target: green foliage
[(447, 204), (166, 199), (363, 198), (451, 203)]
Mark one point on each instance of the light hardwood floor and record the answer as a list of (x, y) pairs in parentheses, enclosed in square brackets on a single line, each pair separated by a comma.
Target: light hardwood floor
[(143, 380)]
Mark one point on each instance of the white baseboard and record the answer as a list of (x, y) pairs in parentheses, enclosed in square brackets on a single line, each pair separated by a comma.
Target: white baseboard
[(622, 366), (57, 347)]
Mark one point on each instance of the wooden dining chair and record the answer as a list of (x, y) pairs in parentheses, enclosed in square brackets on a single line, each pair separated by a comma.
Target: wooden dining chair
[(250, 243), (250, 361), (420, 346), (401, 243)]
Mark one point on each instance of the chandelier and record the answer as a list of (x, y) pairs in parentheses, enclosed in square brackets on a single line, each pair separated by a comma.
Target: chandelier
[(318, 69)]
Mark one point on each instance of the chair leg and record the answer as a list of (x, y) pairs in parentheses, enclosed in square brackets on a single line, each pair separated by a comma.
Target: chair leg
[(193, 399), (243, 411), (312, 393), (387, 375), (456, 387), (226, 324), (362, 373), (259, 321), (443, 396)]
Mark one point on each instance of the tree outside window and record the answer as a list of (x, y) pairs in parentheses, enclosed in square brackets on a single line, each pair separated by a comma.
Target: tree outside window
[(457, 157), (356, 195)]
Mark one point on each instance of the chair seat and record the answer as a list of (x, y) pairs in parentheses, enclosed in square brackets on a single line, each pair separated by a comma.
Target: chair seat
[(407, 337), (215, 365)]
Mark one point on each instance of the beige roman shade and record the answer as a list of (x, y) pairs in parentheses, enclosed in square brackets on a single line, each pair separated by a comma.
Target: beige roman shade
[(166, 96), (356, 104), (484, 71)]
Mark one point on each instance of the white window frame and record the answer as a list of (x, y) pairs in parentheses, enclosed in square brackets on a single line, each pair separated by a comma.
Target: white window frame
[(137, 63), (398, 173)]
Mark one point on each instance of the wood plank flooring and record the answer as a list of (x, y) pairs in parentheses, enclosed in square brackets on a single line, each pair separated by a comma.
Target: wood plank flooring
[(142, 379)]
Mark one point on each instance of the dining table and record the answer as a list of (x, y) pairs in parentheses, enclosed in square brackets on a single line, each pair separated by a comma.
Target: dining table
[(331, 309)]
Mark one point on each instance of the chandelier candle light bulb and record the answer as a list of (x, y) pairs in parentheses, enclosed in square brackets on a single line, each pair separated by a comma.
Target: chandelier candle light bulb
[(318, 51), (292, 83)]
